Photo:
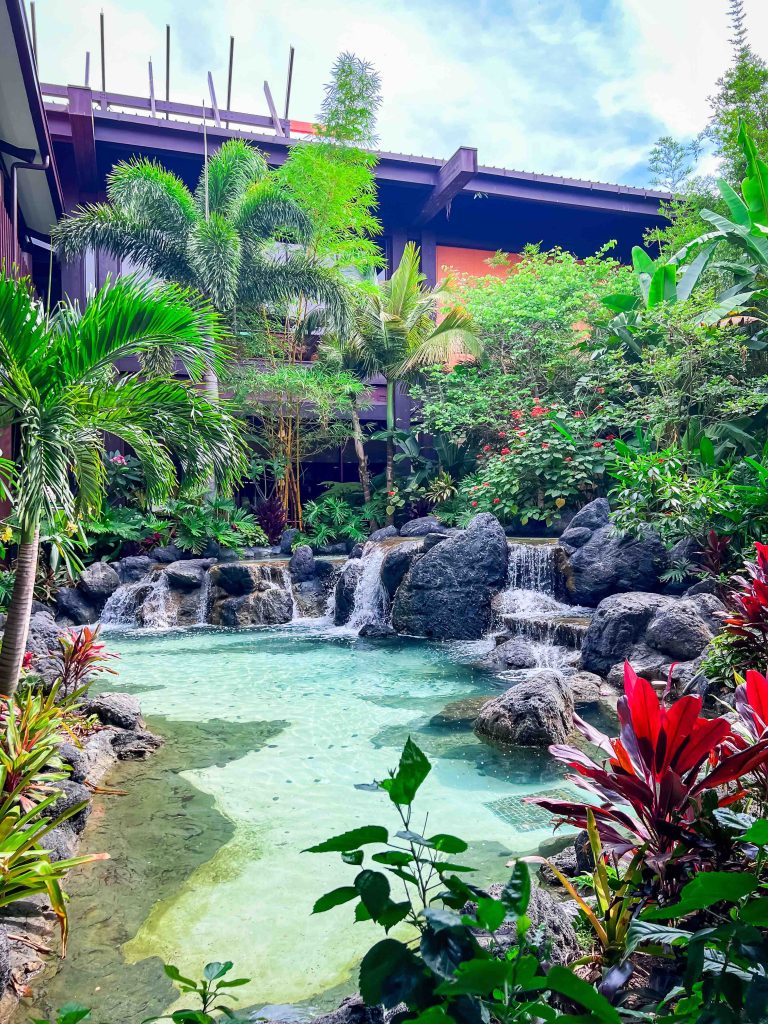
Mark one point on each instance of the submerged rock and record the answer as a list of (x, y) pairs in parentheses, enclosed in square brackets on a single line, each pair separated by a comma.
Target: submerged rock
[(447, 593), (533, 713), (135, 745), (352, 1011), (377, 631), (515, 653)]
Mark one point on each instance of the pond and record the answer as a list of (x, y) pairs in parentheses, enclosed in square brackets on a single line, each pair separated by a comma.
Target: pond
[(267, 732)]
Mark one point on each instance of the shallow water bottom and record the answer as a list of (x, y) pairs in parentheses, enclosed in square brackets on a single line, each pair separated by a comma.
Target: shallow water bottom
[(268, 731)]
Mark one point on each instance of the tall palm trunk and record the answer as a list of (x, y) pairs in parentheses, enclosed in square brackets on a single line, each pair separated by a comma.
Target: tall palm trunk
[(362, 458), (390, 444), (17, 623)]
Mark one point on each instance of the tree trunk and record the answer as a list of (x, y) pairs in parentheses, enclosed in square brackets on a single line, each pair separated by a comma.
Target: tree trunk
[(390, 444), (211, 391), (17, 623), (362, 459)]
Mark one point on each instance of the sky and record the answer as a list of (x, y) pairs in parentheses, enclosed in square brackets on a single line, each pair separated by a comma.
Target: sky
[(581, 88)]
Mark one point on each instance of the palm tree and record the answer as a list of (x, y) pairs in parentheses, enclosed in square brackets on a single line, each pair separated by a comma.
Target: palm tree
[(397, 336), (59, 389), (221, 239)]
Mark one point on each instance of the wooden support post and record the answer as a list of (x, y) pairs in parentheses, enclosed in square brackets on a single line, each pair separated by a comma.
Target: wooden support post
[(87, 81), (152, 108), (229, 74), (103, 62), (167, 69), (273, 112), (34, 35), (289, 83), (214, 104)]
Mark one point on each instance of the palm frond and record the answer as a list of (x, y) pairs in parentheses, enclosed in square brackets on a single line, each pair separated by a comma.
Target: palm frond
[(231, 170), (215, 255), (149, 194), (23, 342), (264, 211), (280, 281), (100, 226), (133, 317)]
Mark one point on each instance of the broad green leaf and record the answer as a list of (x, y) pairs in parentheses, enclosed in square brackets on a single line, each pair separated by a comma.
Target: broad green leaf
[(477, 977), (705, 890), (755, 912), (216, 970), (620, 303), (443, 950), (641, 261), (394, 914), (351, 840), (693, 271), (643, 933), (395, 857), (757, 833), (411, 772), (447, 843), (663, 286), (389, 974), (707, 451), (565, 983), (440, 919), (335, 898), (373, 889), (516, 894), (491, 913), (733, 201), (175, 975), (353, 857)]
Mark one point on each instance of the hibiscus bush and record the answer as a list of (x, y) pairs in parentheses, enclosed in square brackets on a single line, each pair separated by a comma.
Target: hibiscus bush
[(547, 458)]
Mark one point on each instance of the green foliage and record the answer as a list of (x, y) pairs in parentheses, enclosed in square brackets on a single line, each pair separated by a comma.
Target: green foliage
[(741, 99), (332, 519), (671, 163), (546, 459), (444, 973)]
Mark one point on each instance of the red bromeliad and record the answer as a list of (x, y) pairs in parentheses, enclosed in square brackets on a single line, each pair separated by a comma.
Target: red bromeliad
[(749, 604), (649, 791)]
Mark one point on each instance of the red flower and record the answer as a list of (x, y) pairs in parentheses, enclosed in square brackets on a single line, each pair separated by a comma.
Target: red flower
[(579, 413), (544, 444), (505, 451), (474, 504), (537, 411), (600, 391), (485, 483), (486, 447), (27, 661), (610, 437), (598, 444), (516, 414), (502, 434), (391, 494), (520, 433), (537, 401), (568, 459), (496, 501)]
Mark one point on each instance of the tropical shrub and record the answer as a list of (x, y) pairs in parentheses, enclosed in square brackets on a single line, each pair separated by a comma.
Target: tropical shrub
[(331, 519), (80, 656), (445, 973), (194, 524), (271, 517), (545, 459), (651, 789), (746, 626)]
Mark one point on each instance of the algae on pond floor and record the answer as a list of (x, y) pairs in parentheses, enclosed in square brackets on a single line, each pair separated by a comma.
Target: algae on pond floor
[(157, 835)]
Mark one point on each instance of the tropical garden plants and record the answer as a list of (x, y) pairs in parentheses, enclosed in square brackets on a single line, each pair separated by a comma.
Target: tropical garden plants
[(58, 387)]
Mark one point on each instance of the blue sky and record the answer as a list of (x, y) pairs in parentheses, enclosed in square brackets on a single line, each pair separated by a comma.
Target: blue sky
[(573, 87)]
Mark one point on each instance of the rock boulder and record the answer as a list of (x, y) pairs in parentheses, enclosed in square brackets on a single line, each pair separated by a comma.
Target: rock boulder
[(345, 592), (119, 709), (447, 593), (422, 526), (302, 564), (98, 581), (533, 713), (187, 574)]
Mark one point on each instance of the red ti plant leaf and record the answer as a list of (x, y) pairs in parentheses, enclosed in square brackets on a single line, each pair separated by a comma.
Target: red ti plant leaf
[(648, 793)]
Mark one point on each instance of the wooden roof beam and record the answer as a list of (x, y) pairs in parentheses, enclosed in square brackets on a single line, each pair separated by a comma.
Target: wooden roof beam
[(451, 179), (83, 137)]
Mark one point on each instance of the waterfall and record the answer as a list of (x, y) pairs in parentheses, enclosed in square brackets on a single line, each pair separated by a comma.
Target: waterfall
[(371, 602), (205, 600), (287, 582), (146, 602)]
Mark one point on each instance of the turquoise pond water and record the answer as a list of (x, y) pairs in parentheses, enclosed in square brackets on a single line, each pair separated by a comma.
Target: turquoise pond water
[(267, 732)]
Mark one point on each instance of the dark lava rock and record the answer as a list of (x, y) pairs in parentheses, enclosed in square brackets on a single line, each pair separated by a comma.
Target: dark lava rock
[(533, 713), (352, 1011), (76, 760), (302, 564), (98, 581), (42, 634), (188, 574), (447, 593), (269, 605), (422, 526), (345, 592), (616, 628), (133, 568), (120, 709), (515, 653), (325, 570), (286, 541), (5, 960), (60, 842), (395, 565), (72, 793), (612, 562), (169, 553), (592, 516), (332, 549), (575, 537), (377, 631), (679, 630), (237, 578), (551, 931), (75, 605), (586, 687), (135, 745), (432, 540), (384, 533), (357, 551)]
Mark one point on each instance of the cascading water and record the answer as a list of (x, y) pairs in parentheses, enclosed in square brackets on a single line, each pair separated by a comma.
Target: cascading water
[(528, 607), (371, 601), (147, 603)]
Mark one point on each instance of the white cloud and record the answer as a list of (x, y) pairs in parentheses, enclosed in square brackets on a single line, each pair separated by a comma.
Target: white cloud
[(579, 87)]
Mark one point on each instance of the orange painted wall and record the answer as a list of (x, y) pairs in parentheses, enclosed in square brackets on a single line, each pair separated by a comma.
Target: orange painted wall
[(470, 261)]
